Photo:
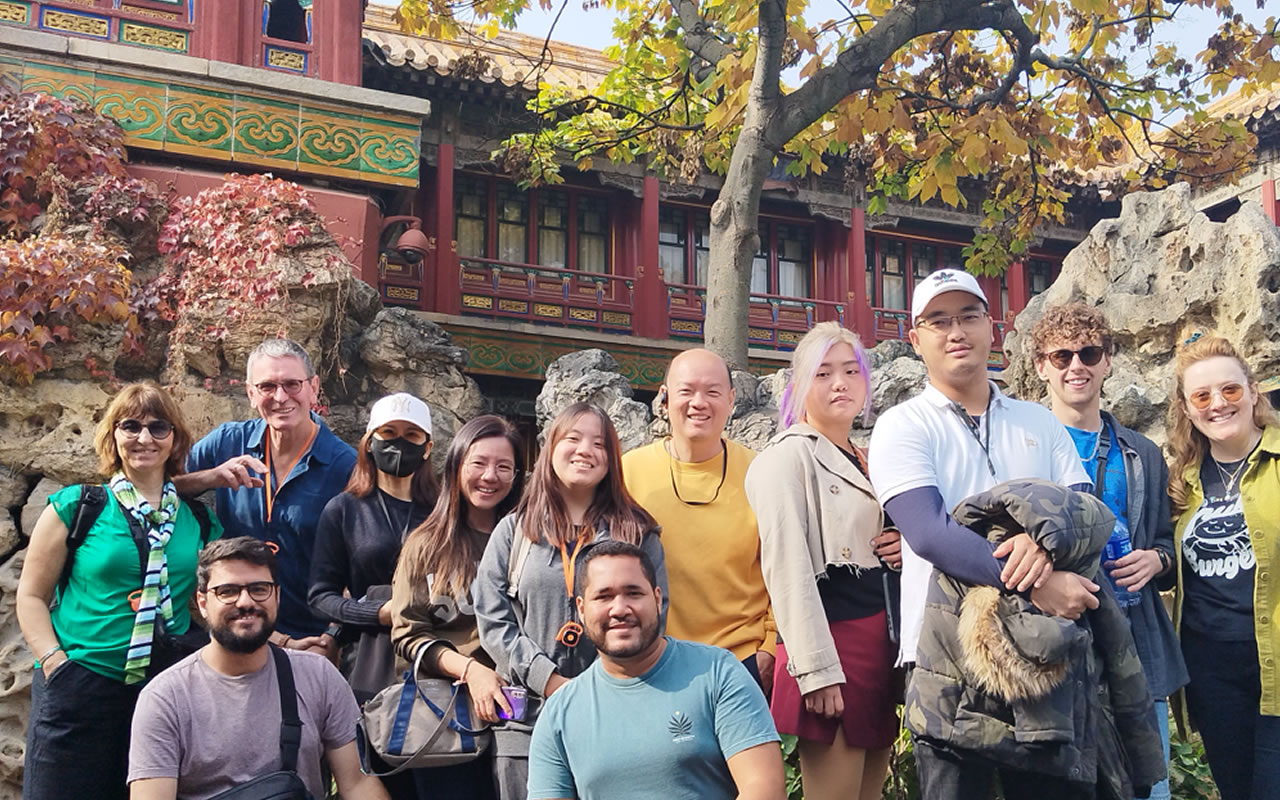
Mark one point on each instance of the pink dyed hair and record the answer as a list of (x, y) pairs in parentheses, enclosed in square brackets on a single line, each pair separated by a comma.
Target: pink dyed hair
[(805, 361)]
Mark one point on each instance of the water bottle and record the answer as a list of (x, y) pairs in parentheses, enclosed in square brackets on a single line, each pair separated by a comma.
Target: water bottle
[(1117, 547)]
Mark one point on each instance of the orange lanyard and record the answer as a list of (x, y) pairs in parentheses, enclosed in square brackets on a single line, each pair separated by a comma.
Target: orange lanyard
[(271, 496), (569, 564)]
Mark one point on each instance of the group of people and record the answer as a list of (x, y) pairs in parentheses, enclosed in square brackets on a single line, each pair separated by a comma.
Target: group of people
[(646, 624)]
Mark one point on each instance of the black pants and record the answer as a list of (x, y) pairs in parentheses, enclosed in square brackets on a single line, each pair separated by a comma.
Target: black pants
[(78, 736), (947, 775), (1242, 746)]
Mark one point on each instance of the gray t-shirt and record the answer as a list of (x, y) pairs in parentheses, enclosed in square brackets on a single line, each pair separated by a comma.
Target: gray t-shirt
[(213, 731)]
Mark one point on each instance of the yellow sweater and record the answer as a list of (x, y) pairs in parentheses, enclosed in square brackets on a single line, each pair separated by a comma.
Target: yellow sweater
[(712, 551)]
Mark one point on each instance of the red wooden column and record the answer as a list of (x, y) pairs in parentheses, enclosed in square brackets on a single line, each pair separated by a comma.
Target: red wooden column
[(448, 286), (220, 31), (860, 312), (337, 30), (651, 318), (1016, 277), (1269, 199)]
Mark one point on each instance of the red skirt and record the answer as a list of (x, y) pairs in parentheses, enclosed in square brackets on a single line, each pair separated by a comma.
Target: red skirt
[(870, 719)]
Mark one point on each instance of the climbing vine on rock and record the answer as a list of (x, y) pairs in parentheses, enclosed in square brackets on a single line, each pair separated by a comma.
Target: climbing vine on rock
[(49, 283), (222, 246), (62, 163)]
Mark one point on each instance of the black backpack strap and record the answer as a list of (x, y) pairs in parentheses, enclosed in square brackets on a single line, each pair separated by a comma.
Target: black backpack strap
[(290, 723), (93, 499), (201, 512)]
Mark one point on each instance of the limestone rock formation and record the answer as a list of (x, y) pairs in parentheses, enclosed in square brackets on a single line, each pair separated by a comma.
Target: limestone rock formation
[(15, 683), (46, 428), (1160, 273), (593, 376)]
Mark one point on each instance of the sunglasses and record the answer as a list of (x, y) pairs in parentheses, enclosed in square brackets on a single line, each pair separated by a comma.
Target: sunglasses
[(1202, 398), (158, 428), (1089, 356)]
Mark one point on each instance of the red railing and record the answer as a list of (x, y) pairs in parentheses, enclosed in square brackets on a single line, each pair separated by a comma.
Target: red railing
[(547, 295), (159, 25), (774, 321)]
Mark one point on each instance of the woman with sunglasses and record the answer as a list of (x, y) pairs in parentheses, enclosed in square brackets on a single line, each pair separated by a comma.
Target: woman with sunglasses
[(431, 604), (524, 588), (829, 564), (1225, 488), (134, 569)]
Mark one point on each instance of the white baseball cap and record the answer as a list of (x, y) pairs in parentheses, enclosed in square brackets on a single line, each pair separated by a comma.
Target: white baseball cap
[(400, 407), (941, 282)]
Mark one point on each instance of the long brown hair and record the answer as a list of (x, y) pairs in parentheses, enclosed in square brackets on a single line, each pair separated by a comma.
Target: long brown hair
[(613, 505), (440, 546), (138, 401), (1188, 444), (423, 488)]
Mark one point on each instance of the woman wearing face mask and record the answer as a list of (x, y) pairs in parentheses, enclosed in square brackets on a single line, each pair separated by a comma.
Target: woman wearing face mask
[(358, 539), (823, 545), (1224, 485), (431, 603), (575, 498)]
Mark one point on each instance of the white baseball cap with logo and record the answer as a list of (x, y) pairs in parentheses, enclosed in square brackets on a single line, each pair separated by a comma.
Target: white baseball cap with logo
[(941, 282), (400, 407)]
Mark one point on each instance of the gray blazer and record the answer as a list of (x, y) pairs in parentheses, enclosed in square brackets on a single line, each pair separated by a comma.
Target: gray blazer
[(1151, 528)]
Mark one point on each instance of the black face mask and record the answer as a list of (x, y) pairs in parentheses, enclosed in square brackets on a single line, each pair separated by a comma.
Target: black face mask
[(399, 457)]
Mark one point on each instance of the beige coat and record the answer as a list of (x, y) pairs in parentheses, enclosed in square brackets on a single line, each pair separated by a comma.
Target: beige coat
[(814, 508)]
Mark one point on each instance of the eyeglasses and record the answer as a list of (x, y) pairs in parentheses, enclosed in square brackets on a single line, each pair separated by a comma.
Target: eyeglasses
[(1202, 398), (505, 472), (968, 320), (1089, 356), (158, 428), (291, 387), (258, 591)]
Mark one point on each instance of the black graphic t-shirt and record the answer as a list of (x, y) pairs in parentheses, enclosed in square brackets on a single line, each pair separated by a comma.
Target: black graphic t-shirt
[(1218, 562)]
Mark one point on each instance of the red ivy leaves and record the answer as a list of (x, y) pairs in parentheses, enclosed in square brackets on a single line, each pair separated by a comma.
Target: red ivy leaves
[(49, 282)]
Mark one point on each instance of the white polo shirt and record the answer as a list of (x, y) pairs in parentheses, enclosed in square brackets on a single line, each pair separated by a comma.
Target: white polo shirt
[(926, 442)]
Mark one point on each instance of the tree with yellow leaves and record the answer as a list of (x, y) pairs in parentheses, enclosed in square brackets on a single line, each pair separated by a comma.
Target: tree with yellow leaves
[(1029, 96)]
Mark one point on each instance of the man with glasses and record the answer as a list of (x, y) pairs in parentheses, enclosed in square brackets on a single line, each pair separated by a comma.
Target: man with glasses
[(273, 476), (212, 721), (694, 485), (1073, 345), (958, 437)]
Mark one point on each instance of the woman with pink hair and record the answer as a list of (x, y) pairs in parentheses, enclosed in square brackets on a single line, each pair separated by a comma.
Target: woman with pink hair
[(824, 545)]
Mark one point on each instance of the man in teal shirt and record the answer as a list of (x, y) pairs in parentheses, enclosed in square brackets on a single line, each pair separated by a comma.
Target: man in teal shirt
[(696, 725)]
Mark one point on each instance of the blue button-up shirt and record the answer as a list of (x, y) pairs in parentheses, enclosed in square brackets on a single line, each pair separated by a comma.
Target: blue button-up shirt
[(318, 476)]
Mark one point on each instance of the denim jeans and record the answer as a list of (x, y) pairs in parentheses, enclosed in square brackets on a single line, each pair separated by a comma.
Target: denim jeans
[(1161, 790), (77, 736), (1241, 745)]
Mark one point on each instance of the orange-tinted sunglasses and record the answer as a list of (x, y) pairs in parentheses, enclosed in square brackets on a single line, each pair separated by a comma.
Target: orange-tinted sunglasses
[(1202, 398)]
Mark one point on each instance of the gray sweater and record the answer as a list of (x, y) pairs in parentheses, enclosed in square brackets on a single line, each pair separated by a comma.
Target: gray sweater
[(524, 648)]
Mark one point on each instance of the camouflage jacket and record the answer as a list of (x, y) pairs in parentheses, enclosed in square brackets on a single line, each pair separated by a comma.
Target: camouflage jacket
[(998, 678)]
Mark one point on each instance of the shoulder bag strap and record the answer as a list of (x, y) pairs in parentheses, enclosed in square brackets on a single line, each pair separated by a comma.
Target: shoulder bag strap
[(520, 546), (290, 723), (1104, 450)]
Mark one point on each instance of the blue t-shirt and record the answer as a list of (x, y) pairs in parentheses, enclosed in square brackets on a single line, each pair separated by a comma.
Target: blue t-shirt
[(319, 475), (680, 722), (1115, 488)]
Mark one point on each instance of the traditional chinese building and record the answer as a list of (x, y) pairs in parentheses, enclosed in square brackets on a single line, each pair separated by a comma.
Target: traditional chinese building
[(394, 135)]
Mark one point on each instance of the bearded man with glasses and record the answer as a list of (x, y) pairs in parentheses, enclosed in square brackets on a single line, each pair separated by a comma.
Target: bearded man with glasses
[(1073, 345), (213, 721), (273, 476)]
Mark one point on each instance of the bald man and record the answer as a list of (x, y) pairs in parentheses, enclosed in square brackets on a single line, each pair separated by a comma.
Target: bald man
[(692, 482)]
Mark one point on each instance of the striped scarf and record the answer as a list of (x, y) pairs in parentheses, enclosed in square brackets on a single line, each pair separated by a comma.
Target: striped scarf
[(158, 523)]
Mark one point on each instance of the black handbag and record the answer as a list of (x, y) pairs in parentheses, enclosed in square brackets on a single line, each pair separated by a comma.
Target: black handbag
[(284, 784)]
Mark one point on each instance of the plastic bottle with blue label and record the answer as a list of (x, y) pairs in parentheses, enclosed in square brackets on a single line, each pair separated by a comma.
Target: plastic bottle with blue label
[(1117, 547)]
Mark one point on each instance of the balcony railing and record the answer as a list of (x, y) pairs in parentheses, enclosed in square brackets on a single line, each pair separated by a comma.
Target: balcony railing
[(774, 321), (547, 295), (890, 323)]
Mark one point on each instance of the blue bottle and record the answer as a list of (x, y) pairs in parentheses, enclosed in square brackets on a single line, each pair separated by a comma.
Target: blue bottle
[(1117, 547)]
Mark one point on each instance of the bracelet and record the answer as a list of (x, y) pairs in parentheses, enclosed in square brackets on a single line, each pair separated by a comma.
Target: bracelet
[(48, 653), (1164, 561), (466, 669)]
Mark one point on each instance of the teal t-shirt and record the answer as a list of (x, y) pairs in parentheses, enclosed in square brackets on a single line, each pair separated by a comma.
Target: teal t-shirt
[(93, 617), (668, 733)]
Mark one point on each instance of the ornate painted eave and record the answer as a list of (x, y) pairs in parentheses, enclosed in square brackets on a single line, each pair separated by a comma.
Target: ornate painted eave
[(226, 112)]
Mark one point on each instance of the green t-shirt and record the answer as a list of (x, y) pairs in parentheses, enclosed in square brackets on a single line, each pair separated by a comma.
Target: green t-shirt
[(93, 617)]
